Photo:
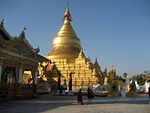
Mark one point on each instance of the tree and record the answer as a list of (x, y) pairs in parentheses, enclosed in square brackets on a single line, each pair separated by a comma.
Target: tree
[(140, 78), (119, 78)]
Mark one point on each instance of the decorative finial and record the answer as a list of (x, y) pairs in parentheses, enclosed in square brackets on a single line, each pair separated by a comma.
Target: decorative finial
[(96, 62), (2, 20), (24, 29), (37, 49), (112, 70), (67, 15), (22, 34), (105, 70), (2, 23), (96, 58)]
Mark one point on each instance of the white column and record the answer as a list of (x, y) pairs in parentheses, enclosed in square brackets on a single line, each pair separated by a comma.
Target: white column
[(20, 75), (0, 71)]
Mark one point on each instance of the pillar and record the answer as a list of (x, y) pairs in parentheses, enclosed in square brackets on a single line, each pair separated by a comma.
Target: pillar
[(0, 71), (1, 65), (20, 75), (35, 77), (20, 72)]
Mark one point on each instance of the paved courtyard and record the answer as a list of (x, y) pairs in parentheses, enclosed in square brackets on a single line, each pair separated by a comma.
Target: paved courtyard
[(67, 104)]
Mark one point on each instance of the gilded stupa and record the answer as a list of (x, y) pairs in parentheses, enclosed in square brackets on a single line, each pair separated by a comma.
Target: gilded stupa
[(67, 55), (66, 44)]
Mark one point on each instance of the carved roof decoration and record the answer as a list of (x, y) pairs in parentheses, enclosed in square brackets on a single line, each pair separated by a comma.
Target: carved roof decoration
[(3, 31), (23, 40), (22, 34), (17, 45), (2, 23)]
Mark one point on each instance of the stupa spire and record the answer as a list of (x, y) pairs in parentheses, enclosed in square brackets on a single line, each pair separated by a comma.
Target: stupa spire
[(81, 54), (96, 60), (66, 29), (66, 43), (96, 63), (67, 15)]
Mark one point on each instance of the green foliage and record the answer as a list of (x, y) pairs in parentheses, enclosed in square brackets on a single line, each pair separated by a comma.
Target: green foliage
[(10, 78), (112, 76), (120, 78), (133, 86), (125, 74), (140, 78)]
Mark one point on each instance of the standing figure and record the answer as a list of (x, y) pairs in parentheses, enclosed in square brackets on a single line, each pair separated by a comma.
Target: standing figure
[(149, 91), (59, 89), (79, 97), (90, 93), (70, 83)]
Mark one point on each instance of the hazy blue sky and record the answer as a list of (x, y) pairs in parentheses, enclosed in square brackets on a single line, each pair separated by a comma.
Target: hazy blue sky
[(117, 31)]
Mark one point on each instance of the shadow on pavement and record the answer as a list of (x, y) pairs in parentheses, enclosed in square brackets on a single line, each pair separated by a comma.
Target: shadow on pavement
[(49, 102)]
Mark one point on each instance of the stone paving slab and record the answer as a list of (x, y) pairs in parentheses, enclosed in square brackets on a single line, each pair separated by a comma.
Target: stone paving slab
[(68, 104)]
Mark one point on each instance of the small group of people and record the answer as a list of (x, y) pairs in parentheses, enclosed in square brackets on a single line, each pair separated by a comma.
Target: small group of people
[(90, 95)]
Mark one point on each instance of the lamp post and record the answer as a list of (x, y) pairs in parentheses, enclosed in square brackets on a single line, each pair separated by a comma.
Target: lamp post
[(70, 83)]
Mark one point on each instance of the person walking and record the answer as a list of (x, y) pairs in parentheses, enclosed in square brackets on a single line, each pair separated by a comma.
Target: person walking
[(79, 97)]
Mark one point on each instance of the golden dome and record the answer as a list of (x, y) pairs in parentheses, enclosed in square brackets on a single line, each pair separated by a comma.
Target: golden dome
[(112, 70), (65, 44)]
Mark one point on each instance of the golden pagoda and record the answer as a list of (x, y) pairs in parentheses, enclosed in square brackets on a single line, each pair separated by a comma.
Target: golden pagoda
[(66, 44), (68, 56)]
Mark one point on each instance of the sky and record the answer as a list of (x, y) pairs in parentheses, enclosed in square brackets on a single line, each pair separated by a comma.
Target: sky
[(117, 32)]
